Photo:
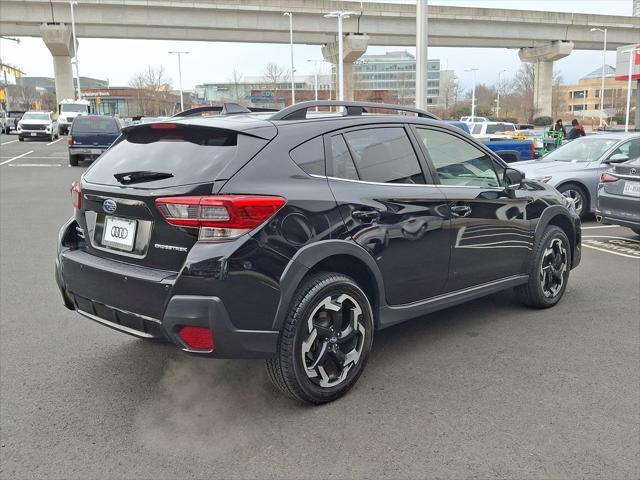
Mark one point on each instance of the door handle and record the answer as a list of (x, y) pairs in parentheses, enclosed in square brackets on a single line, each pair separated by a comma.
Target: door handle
[(366, 216), (460, 210)]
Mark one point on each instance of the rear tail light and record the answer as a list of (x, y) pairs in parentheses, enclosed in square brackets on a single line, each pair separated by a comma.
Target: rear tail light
[(532, 150), (76, 195), (69, 140), (197, 338), (606, 178), (219, 217)]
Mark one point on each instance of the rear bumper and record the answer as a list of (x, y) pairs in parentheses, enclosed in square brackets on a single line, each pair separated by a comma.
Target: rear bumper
[(87, 151), (139, 302), (618, 209)]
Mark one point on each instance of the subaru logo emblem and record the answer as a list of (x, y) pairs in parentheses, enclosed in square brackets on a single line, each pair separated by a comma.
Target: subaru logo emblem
[(109, 206)]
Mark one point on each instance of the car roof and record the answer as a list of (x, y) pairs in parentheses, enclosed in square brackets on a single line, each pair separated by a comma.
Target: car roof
[(614, 135)]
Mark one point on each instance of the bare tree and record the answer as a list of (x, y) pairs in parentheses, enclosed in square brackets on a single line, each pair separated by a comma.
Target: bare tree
[(449, 92), (22, 96), (274, 74), (153, 91), (236, 81)]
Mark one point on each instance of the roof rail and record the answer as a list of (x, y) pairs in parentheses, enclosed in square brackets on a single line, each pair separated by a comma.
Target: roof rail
[(298, 111), (228, 108)]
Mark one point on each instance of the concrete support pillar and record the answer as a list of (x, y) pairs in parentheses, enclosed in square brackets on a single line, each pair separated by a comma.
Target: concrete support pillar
[(543, 58), (353, 47), (59, 41)]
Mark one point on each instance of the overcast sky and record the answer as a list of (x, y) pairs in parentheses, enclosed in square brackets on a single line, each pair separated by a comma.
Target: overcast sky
[(118, 60)]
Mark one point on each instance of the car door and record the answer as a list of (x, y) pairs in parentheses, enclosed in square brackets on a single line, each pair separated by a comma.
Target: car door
[(491, 236), (391, 208)]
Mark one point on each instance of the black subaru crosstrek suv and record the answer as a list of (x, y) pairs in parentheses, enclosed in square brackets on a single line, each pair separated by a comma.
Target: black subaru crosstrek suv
[(296, 236)]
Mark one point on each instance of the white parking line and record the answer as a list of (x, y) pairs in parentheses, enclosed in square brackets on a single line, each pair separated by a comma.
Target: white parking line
[(615, 238), (609, 251), (7, 143), (15, 158), (55, 141), (601, 226), (34, 165)]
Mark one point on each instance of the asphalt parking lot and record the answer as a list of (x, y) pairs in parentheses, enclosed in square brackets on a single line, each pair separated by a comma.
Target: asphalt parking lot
[(484, 390)]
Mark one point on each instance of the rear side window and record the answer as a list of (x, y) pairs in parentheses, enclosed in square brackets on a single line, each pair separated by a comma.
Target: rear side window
[(384, 155), (95, 125), (310, 156), (190, 154)]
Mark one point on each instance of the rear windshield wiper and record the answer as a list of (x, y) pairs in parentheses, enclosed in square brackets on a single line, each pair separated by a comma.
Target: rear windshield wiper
[(140, 176)]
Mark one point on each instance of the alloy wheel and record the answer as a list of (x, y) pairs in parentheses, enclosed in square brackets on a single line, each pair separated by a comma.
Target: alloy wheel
[(576, 197), (553, 268), (334, 341)]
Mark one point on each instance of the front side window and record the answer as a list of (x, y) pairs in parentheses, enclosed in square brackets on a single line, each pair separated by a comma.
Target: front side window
[(457, 162), (384, 155)]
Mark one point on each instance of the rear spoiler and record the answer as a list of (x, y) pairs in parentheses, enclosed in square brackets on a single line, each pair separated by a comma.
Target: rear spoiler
[(228, 108)]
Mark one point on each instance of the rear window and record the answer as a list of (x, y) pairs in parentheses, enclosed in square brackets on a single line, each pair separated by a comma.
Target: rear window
[(190, 154), (500, 127), (95, 125)]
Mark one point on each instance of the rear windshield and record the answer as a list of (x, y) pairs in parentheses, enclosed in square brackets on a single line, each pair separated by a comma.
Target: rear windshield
[(500, 127), (190, 155), (95, 125)]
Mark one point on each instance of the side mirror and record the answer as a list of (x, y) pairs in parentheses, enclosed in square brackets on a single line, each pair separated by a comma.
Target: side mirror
[(513, 178), (617, 158)]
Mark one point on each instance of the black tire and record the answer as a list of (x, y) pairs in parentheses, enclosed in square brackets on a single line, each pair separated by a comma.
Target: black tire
[(290, 371), (537, 292), (20, 139), (73, 160), (579, 194)]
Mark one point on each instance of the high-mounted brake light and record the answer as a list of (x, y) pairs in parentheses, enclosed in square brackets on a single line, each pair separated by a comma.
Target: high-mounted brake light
[(164, 126), (219, 217), (76, 195), (606, 178)]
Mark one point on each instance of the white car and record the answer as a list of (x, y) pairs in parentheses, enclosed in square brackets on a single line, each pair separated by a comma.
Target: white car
[(474, 119), (36, 124)]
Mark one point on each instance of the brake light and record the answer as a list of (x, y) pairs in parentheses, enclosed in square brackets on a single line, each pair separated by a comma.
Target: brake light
[(197, 338), (76, 195), (164, 126), (219, 217), (69, 140), (532, 150), (606, 178)]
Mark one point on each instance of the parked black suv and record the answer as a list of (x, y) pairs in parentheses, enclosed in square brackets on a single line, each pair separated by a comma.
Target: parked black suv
[(295, 236)]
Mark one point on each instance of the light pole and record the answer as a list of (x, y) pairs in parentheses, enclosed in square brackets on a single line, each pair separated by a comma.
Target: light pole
[(473, 91), (498, 94), (180, 53), (604, 61), (316, 71), (340, 15), (75, 51), (293, 85), (630, 51)]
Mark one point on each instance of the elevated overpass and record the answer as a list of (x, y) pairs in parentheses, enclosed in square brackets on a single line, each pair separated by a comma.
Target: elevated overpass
[(388, 24)]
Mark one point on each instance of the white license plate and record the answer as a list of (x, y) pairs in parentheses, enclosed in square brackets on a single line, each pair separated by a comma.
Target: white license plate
[(119, 233), (33, 134), (95, 151), (632, 189)]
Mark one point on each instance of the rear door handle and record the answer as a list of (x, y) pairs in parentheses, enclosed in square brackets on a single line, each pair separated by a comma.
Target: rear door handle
[(460, 210), (366, 216)]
